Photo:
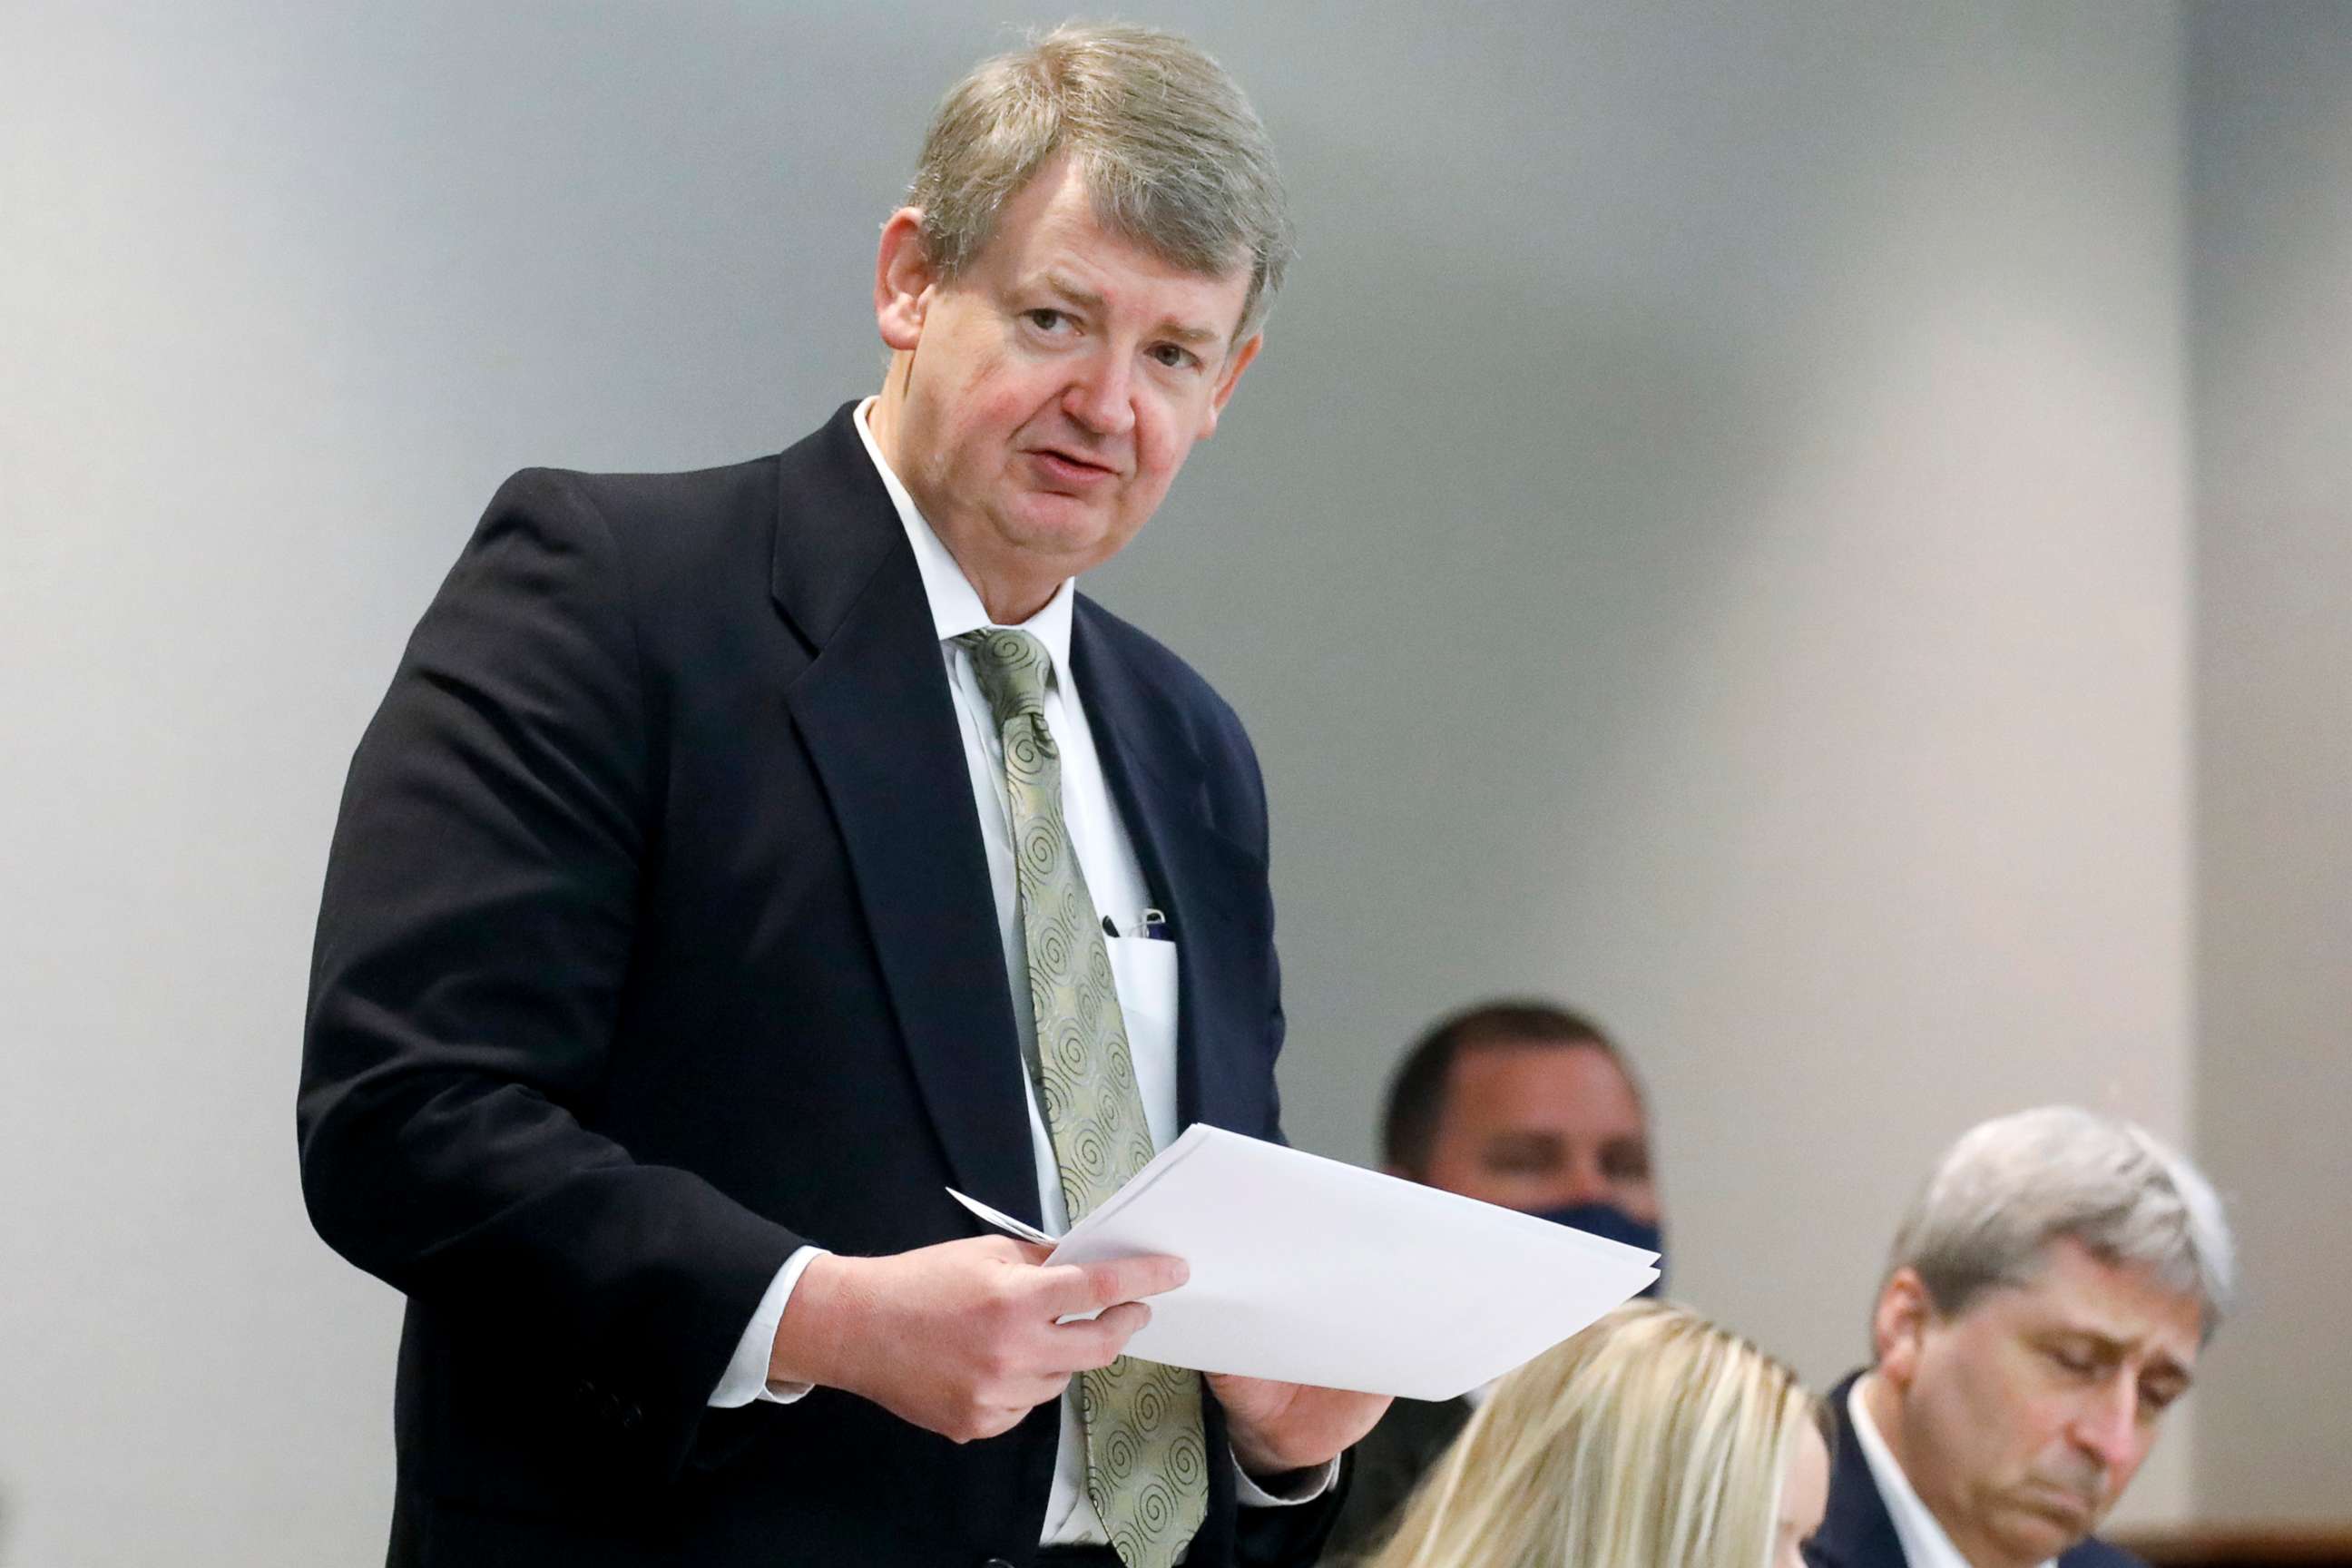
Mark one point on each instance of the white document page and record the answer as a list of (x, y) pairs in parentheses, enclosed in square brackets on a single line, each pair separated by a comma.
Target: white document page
[(1312, 1271)]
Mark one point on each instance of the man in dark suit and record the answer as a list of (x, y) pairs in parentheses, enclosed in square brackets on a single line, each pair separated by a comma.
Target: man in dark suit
[(2045, 1302), (686, 880), (1517, 1102)]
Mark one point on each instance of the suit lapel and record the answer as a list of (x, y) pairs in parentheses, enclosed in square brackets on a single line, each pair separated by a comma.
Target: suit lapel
[(876, 715), (1857, 1529), (1154, 774)]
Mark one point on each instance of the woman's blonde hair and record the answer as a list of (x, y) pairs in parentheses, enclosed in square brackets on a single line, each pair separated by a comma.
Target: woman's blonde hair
[(1652, 1440)]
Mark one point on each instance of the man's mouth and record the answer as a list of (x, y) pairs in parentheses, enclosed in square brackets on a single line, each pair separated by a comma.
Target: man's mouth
[(1075, 467)]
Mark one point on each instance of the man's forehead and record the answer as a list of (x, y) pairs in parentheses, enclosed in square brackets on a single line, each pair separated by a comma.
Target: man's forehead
[(1530, 1081), (1050, 232), (2123, 1305)]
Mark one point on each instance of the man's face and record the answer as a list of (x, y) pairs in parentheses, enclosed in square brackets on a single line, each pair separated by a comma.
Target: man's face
[(1053, 387), (1540, 1126), (2021, 1420)]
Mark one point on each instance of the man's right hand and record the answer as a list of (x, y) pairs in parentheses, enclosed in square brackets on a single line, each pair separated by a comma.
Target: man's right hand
[(961, 1339)]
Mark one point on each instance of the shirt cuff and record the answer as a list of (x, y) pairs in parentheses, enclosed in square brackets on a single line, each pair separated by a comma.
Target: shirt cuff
[(746, 1377), (1300, 1486)]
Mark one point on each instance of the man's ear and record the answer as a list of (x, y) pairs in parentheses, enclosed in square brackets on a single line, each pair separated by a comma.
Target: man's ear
[(1899, 1325), (903, 279), (1236, 363)]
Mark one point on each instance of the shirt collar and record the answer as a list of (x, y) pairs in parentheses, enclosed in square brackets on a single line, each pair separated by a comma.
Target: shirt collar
[(1925, 1544), (955, 603)]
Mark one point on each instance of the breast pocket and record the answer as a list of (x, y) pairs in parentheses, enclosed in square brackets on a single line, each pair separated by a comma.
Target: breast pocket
[(1144, 970)]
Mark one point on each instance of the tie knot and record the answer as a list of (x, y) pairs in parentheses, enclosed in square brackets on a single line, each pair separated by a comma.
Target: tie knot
[(1012, 666)]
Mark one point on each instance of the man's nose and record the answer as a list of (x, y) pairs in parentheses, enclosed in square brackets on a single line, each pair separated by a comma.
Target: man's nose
[(1100, 395), (2107, 1426)]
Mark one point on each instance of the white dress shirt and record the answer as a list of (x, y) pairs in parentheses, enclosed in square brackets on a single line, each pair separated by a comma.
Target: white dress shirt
[(1143, 970), (1925, 1544)]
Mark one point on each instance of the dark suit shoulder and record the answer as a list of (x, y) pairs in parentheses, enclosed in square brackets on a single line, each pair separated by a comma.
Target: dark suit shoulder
[(658, 481), (823, 471), (655, 512), (688, 556)]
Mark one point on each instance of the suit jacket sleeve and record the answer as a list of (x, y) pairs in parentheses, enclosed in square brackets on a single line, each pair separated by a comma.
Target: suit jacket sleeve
[(474, 937)]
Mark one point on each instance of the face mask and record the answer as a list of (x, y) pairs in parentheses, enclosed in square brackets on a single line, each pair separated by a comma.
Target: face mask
[(1609, 1221)]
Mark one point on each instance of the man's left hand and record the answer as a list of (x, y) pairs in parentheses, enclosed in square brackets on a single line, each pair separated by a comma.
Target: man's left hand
[(1276, 1427)]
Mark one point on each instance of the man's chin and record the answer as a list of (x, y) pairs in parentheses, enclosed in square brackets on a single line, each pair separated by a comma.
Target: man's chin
[(1073, 531), (2045, 1521)]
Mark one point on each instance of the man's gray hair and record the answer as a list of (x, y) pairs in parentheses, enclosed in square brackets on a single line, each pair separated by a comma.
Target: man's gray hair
[(1174, 156), (2012, 1185)]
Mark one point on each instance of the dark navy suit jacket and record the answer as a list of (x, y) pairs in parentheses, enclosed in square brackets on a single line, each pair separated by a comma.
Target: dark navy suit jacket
[(1858, 1533), (658, 939)]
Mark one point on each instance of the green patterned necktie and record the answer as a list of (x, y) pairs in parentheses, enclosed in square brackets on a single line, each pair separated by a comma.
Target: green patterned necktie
[(1147, 1461)]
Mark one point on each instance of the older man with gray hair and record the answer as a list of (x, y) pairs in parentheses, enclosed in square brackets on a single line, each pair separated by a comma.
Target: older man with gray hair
[(2045, 1304), (743, 859)]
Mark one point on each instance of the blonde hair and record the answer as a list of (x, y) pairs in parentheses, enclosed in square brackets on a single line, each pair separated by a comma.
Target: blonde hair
[(1652, 1440)]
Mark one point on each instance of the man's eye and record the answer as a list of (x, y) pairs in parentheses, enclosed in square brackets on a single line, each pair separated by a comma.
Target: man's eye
[(2079, 1362), (1045, 319), (1174, 356), (1626, 1164)]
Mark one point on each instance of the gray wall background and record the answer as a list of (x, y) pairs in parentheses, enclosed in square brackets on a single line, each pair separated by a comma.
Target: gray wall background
[(1722, 532), (2271, 177)]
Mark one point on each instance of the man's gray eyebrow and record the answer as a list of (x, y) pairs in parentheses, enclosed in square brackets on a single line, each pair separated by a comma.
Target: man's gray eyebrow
[(2115, 1349), (1072, 293), (1190, 336)]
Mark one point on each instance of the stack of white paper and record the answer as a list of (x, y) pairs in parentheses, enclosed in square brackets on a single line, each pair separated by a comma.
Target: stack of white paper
[(1312, 1271)]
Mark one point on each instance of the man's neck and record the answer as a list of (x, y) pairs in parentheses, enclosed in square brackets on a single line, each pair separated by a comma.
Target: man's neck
[(1884, 1404)]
